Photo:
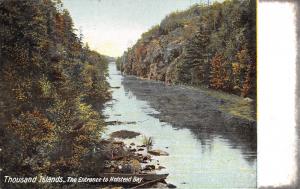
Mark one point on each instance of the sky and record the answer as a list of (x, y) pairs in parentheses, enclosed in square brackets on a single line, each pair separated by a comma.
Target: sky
[(111, 26)]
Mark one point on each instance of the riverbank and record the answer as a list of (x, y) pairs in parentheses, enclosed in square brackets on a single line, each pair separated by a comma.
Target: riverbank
[(193, 105), (196, 109), (168, 114)]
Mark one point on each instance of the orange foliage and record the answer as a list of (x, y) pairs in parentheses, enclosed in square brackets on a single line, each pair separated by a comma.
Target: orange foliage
[(245, 61), (59, 24), (32, 127), (139, 52), (218, 73)]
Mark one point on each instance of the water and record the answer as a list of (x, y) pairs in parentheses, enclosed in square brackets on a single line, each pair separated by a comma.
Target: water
[(194, 161)]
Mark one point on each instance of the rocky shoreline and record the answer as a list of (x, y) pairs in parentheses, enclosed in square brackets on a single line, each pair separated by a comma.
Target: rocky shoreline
[(136, 159)]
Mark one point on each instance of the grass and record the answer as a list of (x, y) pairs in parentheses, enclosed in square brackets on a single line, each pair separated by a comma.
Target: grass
[(235, 105), (148, 142), (241, 109)]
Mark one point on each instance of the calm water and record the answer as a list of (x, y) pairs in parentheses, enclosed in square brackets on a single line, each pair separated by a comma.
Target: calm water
[(194, 161)]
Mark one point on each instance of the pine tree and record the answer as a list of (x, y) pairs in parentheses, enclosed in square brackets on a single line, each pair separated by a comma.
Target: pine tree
[(196, 60)]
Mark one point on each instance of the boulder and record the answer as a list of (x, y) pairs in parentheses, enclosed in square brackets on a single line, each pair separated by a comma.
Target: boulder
[(160, 167), (171, 186), (149, 167), (158, 153)]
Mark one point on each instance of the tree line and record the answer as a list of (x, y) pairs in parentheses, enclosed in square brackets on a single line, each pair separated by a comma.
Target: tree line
[(207, 45)]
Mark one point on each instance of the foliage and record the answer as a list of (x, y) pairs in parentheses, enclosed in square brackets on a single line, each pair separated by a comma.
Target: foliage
[(217, 48), (148, 142), (49, 82), (218, 73)]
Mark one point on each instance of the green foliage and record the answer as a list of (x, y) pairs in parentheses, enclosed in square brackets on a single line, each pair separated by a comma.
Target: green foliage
[(49, 83), (154, 31), (148, 142), (218, 48)]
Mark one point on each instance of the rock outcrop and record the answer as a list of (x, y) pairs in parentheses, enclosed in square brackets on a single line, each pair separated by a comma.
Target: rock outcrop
[(211, 45)]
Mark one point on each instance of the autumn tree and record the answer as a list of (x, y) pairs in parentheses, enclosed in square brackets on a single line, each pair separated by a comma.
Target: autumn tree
[(47, 121), (218, 73)]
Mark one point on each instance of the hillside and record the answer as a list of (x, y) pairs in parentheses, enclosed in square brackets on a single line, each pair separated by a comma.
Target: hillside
[(210, 46), (51, 89)]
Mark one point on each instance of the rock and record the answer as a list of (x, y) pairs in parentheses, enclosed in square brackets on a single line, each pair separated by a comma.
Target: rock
[(172, 51), (171, 186), (140, 149), (172, 73), (247, 99), (120, 122), (158, 153), (146, 158), (133, 166), (142, 146), (132, 144), (113, 122), (129, 122), (160, 185), (124, 134), (118, 143), (160, 167), (132, 150), (149, 167), (136, 165)]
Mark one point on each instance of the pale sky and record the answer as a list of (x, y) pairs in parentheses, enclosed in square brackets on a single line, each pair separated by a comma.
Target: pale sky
[(111, 26)]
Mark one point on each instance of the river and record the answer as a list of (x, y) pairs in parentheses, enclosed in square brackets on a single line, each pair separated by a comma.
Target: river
[(198, 157)]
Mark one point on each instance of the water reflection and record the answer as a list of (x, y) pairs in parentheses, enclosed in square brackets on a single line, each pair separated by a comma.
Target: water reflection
[(205, 127), (201, 155)]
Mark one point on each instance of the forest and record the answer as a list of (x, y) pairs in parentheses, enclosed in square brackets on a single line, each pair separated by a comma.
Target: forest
[(52, 88), (210, 46), (65, 111)]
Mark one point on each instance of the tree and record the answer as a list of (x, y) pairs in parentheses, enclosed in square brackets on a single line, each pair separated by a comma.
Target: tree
[(218, 75)]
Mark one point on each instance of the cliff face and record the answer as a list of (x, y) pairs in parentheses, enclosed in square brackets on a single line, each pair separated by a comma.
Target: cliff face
[(151, 57), (212, 46)]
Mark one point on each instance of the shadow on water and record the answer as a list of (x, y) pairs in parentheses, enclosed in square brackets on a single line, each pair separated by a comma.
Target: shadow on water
[(208, 148), (195, 110)]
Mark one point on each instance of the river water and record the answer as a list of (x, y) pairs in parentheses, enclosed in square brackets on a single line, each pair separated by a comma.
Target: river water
[(193, 161)]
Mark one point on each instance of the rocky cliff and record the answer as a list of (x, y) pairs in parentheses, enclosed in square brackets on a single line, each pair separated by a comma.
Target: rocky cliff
[(212, 46)]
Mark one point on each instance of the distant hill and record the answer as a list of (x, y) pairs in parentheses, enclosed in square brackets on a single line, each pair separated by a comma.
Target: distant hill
[(110, 59), (212, 46)]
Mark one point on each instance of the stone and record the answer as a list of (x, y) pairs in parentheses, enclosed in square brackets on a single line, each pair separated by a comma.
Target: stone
[(247, 99), (161, 167), (171, 186), (160, 185), (132, 150), (149, 167), (158, 153)]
